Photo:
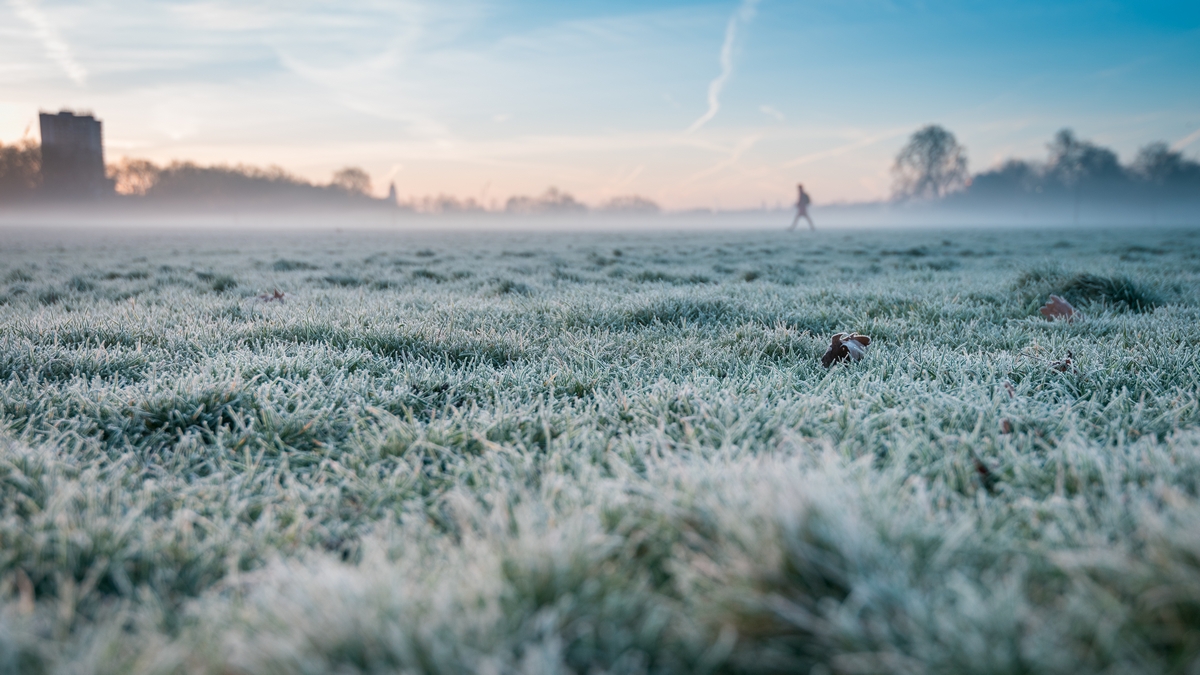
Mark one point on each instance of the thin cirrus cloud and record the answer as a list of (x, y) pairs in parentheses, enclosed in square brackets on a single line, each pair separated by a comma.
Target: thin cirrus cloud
[(741, 17), (55, 46), (772, 111)]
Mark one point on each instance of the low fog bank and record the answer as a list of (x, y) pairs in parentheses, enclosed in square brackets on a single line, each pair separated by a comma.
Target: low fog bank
[(1078, 184), (836, 217)]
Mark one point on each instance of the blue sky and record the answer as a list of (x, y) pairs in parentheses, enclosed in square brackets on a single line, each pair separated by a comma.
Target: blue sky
[(713, 104)]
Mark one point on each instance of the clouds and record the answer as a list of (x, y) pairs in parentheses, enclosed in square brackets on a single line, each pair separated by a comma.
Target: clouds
[(57, 49), (863, 141), (743, 15), (586, 96), (772, 111)]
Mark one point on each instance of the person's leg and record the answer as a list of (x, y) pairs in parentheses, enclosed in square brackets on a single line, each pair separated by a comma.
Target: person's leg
[(811, 226), (794, 221)]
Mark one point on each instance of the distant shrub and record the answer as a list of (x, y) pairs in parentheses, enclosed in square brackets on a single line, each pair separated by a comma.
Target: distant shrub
[(552, 202), (750, 276), (654, 275), (562, 275), (222, 283), (510, 287), (80, 285), (915, 252), (937, 264), (630, 205), (284, 265), (676, 311), (345, 281), (428, 274), (49, 296), (167, 417), (1118, 292), (943, 264)]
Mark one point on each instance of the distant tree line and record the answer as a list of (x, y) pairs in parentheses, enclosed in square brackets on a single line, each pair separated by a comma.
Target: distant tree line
[(186, 184), (932, 166), (552, 202)]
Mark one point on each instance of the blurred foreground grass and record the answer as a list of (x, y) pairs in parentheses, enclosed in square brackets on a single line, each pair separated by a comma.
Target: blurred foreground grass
[(598, 453)]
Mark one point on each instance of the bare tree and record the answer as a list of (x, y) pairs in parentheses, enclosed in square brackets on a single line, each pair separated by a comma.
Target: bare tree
[(630, 205), (552, 202), (20, 170), (353, 180), (1158, 164), (1074, 162), (134, 176), (931, 165)]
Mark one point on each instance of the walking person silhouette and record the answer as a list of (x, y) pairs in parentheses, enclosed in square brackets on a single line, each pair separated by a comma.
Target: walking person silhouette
[(802, 202)]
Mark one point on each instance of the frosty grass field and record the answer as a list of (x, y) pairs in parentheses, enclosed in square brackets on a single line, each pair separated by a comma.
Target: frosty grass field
[(519, 453)]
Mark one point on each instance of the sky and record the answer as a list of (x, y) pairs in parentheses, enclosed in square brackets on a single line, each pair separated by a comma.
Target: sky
[(693, 104)]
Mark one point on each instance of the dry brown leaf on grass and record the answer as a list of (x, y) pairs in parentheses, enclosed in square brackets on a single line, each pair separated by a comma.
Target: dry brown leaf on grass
[(986, 477), (271, 297), (1064, 365), (846, 347), (1006, 426), (1058, 308), (25, 604)]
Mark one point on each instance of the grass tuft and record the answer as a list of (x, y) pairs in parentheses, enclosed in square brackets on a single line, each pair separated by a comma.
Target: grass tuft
[(285, 265), (1117, 292)]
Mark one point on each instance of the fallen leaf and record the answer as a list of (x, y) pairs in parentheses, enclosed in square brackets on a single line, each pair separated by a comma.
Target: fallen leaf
[(25, 593), (1005, 426), (846, 347), (1063, 365), (985, 475), (1012, 391), (271, 297), (1058, 308)]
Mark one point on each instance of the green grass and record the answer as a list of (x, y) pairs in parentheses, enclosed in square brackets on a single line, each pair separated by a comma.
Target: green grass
[(599, 453)]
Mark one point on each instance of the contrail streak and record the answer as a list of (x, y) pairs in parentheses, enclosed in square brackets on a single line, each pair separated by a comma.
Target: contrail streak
[(56, 48), (743, 15), (1186, 141), (843, 149)]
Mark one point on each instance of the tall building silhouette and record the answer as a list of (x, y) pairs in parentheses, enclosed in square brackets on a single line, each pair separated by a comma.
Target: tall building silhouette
[(73, 156)]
